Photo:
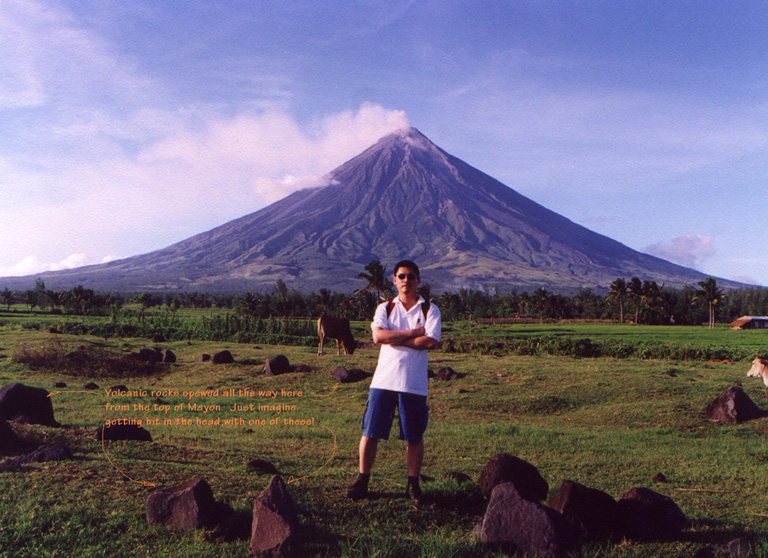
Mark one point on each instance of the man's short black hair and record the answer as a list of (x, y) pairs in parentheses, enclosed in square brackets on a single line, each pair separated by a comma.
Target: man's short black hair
[(406, 263)]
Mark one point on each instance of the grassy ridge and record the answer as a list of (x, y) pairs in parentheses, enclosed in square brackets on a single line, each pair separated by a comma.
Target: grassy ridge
[(608, 423)]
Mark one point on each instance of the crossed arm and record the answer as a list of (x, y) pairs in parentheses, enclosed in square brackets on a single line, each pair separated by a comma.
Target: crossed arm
[(411, 338)]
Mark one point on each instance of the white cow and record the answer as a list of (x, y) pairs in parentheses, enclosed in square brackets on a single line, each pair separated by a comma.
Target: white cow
[(759, 368)]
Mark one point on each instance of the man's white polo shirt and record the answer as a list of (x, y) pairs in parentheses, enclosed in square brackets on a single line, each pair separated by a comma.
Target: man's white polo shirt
[(400, 368)]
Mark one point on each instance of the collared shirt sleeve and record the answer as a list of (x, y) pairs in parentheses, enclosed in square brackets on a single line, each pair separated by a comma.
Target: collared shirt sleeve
[(380, 317), (434, 323)]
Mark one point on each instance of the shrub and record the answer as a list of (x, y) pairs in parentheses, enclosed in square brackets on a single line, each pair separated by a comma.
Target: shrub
[(90, 362)]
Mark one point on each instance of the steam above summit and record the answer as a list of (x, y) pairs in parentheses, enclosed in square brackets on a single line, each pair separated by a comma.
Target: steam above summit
[(403, 197)]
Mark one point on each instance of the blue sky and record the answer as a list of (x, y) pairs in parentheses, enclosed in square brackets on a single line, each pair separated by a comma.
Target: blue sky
[(128, 126)]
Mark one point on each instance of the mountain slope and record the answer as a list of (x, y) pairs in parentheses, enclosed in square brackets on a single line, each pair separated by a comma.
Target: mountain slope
[(403, 197)]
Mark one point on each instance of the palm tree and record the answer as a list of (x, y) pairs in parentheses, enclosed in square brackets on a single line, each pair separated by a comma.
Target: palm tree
[(8, 297), (651, 296), (635, 290), (247, 304), (619, 292), (709, 293), (377, 279), (145, 300)]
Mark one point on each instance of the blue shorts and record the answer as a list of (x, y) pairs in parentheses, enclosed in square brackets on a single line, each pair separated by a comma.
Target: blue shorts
[(413, 414)]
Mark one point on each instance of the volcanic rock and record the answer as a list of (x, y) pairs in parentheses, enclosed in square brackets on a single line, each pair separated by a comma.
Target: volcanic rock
[(122, 432), (447, 373), (188, 506), (592, 511), (262, 466), (516, 524), (505, 467), (10, 443), (150, 355), (733, 406), (648, 515), (275, 527), (345, 376), (223, 357), (276, 366), (21, 400)]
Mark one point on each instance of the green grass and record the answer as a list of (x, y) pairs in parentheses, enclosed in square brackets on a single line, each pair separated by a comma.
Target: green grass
[(681, 335), (607, 423)]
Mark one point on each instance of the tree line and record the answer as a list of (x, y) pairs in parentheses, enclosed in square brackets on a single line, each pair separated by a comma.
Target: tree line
[(632, 301)]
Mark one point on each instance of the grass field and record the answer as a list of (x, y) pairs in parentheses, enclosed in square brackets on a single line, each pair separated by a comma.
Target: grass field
[(608, 423)]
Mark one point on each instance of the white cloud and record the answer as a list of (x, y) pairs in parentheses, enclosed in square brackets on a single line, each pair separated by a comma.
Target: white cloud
[(690, 250), (31, 265), (189, 171), (268, 154)]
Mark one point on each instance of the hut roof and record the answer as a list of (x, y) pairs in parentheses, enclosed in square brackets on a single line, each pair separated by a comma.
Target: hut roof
[(739, 322)]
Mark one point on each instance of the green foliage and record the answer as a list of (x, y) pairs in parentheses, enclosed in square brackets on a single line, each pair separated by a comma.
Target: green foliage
[(645, 301), (93, 362), (576, 347)]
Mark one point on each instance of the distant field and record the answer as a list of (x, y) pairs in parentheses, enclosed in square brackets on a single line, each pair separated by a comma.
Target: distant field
[(721, 335)]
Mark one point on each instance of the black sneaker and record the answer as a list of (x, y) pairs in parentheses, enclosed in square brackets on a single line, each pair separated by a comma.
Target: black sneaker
[(413, 491), (358, 490)]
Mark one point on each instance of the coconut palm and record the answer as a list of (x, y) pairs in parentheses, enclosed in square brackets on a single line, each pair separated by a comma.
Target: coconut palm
[(619, 292), (710, 293), (635, 291), (377, 280)]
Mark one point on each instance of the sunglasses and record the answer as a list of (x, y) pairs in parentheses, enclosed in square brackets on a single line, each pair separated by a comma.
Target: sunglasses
[(410, 276)]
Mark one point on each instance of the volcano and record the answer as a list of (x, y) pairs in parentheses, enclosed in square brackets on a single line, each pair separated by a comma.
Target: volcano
[(403, 197)]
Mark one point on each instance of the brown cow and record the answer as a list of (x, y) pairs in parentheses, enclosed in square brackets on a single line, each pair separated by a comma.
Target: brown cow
[(329, 327)]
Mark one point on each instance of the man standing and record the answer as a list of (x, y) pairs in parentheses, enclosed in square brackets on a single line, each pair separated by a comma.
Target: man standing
[(406, 328)]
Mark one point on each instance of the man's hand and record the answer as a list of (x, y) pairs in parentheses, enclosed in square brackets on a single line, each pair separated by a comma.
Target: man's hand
[(421, 343), (397, 337)]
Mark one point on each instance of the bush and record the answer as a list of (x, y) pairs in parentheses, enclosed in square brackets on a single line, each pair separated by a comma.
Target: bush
[(90, 362), (554, 345)]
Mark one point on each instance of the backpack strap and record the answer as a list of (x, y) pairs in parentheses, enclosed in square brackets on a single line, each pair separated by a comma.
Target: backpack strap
[(390, 306)]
